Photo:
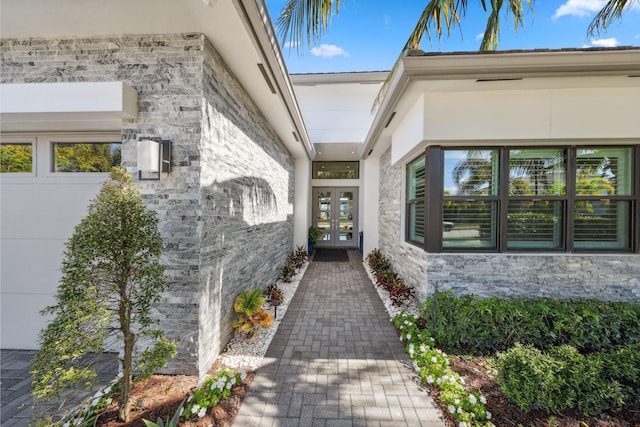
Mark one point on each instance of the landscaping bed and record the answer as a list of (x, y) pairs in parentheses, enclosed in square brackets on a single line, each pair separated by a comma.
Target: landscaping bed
[(506, 413), (161, 395), (579, 364)]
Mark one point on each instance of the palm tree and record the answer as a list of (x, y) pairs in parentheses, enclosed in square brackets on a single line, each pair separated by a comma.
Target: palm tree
[(311, 18)]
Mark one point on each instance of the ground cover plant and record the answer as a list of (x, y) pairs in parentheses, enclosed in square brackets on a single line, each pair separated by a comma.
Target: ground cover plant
[(588, 369)]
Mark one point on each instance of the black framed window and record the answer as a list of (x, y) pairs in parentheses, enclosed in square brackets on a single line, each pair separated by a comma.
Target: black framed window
[(537, 197), (604, 181), (524, 199), (470, 199), (335, 170)]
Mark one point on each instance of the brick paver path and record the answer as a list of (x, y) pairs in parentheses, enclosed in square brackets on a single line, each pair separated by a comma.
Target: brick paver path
[(16, 408), (336, 360)]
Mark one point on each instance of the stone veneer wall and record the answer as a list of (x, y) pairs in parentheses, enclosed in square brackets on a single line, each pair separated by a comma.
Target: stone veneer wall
[(247, 203), (564, 276), (227, 166)]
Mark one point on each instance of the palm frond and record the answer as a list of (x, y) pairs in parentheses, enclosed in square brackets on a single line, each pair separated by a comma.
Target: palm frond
[(308, 20), (441, 14), (611, 12)]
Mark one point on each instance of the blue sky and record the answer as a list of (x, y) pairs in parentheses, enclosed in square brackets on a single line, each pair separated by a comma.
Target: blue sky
[(369, 34)]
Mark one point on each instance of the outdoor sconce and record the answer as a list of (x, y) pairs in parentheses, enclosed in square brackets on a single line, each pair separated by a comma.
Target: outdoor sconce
[(154, 157)]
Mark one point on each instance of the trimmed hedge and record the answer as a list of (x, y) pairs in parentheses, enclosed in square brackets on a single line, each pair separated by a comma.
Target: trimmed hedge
[(469, 324), (562, 378)]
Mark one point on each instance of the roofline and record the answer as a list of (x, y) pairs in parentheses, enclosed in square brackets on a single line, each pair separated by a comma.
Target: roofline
[(364, 77), (257, 17), (416, 65)]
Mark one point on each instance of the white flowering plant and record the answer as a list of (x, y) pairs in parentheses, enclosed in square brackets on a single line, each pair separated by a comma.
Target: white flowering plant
[(467, 408), (88, 412), (212, 391), (410, 331)]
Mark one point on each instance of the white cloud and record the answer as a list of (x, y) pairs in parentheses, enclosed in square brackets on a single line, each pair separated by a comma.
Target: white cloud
[(328, 51), (610, 42), (580, 8), (290, 44), (479, 36)]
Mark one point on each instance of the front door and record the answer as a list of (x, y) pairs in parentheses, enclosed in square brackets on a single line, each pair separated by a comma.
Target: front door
[(335, 214)]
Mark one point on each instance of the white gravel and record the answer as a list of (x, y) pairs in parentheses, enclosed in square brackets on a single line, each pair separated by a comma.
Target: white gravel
[(410, 308), (248, 353)]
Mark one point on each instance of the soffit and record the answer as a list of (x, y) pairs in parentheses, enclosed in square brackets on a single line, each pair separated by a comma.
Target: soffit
[(239, 30), (420, 74)]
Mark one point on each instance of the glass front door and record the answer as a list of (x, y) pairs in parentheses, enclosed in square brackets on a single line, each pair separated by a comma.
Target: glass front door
[(335, 212)]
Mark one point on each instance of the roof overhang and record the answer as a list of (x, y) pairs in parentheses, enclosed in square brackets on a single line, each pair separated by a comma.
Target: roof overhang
[(419, 72), (240, 30)]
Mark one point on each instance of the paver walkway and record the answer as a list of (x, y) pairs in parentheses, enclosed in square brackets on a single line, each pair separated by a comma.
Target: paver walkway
[(16, 407), (15, 386), (336, 360)]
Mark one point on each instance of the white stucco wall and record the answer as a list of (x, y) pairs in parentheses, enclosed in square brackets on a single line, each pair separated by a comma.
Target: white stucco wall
[(38, 213)]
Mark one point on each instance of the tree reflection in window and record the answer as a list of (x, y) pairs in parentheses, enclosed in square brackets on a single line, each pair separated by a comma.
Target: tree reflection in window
[(89, 157)]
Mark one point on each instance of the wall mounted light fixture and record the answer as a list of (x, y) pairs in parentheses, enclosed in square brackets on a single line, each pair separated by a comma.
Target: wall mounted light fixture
[(154, 157)]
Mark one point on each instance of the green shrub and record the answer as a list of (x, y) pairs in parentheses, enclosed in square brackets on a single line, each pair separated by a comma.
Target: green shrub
[(562, 378), (623, 366), (482, 326)]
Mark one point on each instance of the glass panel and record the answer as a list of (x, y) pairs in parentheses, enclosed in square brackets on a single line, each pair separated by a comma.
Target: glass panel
[(16, 158), (534, 224), (602, 224), (94, 157), (346, 216), (537, 172), (416, 179), (471, 172), (469, 224), (604, 171), (336, 170), (323, 220), (416, 222)]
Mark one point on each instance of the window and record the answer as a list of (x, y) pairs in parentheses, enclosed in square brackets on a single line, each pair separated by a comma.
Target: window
[(16, 158), (86, 157), (335, 170), (524, 199), (603, 202), (536, 198), (470, 197)]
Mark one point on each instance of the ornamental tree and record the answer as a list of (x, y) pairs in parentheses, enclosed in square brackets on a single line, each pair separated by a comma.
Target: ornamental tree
[(111, 277)]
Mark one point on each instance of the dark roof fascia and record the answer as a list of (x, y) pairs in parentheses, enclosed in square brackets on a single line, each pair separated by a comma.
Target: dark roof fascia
[(522, 63)]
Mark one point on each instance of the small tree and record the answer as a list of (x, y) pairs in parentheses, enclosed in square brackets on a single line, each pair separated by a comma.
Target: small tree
[(111, 276)]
